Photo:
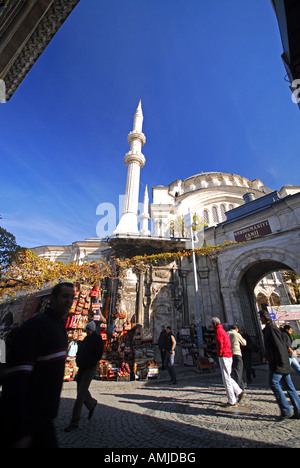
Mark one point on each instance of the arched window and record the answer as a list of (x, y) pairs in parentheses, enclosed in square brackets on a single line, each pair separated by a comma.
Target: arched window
[(262, 300), (215, 215), (206, 216), (231, 206), (223, 215), (275, 299)]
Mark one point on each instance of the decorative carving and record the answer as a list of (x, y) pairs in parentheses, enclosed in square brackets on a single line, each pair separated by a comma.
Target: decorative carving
[(161, 274), (36, 44)]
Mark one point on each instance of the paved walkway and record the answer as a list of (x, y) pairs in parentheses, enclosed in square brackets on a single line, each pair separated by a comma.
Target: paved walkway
[(153, 414)]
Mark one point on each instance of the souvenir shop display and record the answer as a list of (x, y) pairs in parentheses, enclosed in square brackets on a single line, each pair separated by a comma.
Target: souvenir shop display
[(210, 344), (81, 312), (124, 372), (128, 347), (145, 365), (153, 370), (70, 369), (105, 370), (129, 355), (204, 363), (188, 340)]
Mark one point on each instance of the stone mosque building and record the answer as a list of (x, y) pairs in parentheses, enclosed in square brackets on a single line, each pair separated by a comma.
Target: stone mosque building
[(227, 207), (231, 282)]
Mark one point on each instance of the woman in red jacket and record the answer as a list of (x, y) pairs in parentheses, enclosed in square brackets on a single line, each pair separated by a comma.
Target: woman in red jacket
[(234, 393)]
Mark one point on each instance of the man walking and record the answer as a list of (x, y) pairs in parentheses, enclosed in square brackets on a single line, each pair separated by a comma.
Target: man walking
[(279, 367), (234, 393), (170, 355), (34, 375), (89, 353), (287, 331), (162, 345), (237, 364)]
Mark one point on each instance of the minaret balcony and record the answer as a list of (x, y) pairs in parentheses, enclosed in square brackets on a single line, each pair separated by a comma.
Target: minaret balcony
[(136, 136), (132, 157)]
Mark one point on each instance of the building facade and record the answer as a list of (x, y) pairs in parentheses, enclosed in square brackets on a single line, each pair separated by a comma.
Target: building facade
[(262, 225)]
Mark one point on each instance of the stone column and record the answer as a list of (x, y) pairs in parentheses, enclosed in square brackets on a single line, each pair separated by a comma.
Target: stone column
[(206, 301), (186, 318), (140, 307)]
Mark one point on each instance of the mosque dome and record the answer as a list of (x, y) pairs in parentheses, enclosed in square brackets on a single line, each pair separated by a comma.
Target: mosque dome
[(209, 194)]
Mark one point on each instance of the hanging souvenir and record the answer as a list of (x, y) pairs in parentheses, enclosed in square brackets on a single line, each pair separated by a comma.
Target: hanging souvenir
[(122, 314)]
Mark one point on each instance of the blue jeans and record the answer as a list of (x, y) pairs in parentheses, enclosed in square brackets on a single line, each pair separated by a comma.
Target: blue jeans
[(169, 365), (275, 381), (295, 365)]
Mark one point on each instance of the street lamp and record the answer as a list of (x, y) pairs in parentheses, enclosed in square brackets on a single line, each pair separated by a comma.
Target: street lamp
[(191, 223)]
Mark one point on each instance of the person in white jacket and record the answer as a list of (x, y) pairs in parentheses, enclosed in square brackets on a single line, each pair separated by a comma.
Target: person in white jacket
[(237, 366)]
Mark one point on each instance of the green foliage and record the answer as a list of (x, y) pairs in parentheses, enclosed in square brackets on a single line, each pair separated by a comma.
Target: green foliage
[(8, 249)]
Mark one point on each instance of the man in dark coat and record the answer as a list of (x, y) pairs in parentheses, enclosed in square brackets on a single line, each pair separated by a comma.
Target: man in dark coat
[(162, 343), (170, 356), (89, 353), (34, 375), (279, 366), (287, 338)]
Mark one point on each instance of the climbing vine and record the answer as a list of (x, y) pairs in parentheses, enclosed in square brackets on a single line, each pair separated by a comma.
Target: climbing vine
[(140, 261), (28, 272)]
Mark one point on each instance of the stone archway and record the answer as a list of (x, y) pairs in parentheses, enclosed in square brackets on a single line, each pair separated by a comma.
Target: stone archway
[(242, 275)]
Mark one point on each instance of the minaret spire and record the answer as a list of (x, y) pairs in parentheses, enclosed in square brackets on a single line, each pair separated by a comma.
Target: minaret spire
[(134, 161), (138, 118), (144, 216)]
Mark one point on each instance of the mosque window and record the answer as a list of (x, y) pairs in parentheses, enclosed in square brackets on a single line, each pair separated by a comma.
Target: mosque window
[(223, 215), (215, 214), (206, 216)]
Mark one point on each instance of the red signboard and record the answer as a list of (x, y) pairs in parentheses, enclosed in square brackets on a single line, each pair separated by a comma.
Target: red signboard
[(252, 232)]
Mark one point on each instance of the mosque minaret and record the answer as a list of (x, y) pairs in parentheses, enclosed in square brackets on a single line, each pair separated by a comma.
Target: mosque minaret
[(134, 161)]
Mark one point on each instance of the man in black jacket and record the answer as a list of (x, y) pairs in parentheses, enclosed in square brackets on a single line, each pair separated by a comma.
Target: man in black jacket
[(34, 376), (279, 365), (287, 338), (162, 345), (170, 355), (89, 353)]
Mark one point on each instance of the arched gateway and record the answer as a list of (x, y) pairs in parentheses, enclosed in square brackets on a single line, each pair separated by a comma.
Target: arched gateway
[(243, 274)]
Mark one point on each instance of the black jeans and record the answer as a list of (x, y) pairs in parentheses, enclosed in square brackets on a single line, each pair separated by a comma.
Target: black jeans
[(163, 357), (84, 378), (44, 435), (237, 370)]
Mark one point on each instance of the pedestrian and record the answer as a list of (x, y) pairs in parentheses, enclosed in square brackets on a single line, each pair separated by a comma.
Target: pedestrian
[(276, 354), (89, 352), (237, 361), (170, 355), (162, 345), (247, 352), (287, 331), (34, 375), (233, 391)]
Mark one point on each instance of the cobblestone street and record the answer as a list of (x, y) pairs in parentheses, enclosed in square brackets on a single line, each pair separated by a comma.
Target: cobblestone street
[(152, 414)]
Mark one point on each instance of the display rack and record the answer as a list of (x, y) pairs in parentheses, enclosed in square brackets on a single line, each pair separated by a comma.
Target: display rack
[(128, 347)]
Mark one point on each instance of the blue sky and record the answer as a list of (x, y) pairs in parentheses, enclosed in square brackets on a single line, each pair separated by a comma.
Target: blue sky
[(213, 93)]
